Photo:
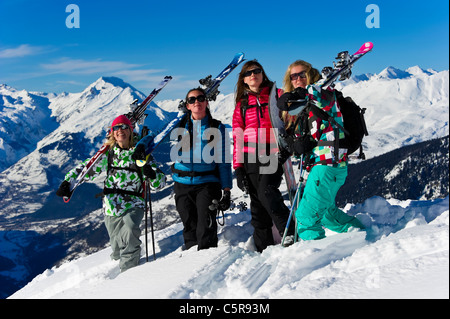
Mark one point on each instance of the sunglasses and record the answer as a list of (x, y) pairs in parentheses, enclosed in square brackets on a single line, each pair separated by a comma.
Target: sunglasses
[(120, 126), (254, 71), (295, 76), (200, 98)]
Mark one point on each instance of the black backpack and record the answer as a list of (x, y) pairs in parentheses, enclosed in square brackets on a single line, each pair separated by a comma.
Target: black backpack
[(354, 124)]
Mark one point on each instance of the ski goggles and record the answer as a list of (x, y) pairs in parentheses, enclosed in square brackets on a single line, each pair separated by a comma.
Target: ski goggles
[(295, 76), (120, 126), (250, 72), (200, 98)]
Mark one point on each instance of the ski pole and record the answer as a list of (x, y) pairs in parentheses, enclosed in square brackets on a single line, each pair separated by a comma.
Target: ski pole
[(151, 220), (290, 216), (294, 206), (146, 227)]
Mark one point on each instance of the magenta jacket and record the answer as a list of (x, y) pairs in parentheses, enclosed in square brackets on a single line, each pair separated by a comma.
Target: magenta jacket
[(252, 129)]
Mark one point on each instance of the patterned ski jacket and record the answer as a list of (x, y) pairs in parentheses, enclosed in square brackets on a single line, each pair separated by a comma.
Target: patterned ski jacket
[(252, 128), (200, 162), (323, 131), (123, 185)]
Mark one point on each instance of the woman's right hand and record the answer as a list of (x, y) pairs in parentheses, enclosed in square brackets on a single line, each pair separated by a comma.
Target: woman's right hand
[(242, 180), (64, 190)]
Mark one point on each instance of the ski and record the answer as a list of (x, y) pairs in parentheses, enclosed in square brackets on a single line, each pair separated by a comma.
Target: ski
[(210, 85), (342, 68), (280, 132), (136, 115)]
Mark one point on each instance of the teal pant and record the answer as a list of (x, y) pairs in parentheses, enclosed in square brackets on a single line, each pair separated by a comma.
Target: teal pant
[(318, 208), (124, 233)]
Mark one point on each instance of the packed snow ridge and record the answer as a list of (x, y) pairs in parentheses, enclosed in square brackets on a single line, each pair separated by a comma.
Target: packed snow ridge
[(403, 254)]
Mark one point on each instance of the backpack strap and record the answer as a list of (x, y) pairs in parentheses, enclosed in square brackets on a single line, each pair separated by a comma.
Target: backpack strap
[(133, 168), (327, 117), (245, 106), (181, 173), (318, 112)]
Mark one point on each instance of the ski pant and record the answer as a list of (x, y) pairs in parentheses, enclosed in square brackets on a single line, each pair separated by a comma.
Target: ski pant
[(192, 202), (267, 205), (124, 233), (317, 207)]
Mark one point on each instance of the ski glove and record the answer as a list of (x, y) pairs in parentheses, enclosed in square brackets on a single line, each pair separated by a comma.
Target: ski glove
[(139, 153), (303, 145), (297, 94), (242, 180), (225, 202), (283, 155), (149, 172), (286, 147), (64, 190)]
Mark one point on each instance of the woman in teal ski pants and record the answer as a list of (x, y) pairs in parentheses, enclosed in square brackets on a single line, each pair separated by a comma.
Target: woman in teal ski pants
[(328, 170), (317, 207)]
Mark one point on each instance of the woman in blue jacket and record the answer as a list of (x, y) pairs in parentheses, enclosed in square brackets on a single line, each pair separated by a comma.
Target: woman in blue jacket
[(200, 172)]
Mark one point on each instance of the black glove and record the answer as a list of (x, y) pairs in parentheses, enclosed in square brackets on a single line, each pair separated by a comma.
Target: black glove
[(303, 145), (242, 180), (282, 102), (225, 202), (286, 142), (298, 94), (283, 155), (149, 172), (139, 153), (64, 190)]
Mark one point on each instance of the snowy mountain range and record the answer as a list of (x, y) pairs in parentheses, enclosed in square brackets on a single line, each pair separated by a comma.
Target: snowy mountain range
[(43, 135), (419, 171)]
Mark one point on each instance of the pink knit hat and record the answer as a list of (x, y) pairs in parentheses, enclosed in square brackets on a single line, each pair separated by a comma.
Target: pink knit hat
[(122, 119)]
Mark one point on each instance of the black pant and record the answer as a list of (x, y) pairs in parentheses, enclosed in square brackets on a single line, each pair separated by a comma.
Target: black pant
[(267, 205), (192, 202)]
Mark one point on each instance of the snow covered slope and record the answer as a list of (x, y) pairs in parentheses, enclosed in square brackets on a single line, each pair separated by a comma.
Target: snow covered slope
[(403, 254)]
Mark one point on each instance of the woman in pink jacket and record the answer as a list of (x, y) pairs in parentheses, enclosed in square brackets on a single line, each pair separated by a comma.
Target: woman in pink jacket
[(258, 168)]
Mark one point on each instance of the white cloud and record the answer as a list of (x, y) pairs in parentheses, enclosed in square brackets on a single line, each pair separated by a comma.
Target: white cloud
[(21, 51), (79, 66)]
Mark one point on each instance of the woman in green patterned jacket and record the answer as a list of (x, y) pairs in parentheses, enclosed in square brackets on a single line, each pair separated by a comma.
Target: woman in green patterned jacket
[(123, 202)]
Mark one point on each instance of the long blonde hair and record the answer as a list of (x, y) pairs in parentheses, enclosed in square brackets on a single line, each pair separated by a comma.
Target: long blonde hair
[(312, 76)]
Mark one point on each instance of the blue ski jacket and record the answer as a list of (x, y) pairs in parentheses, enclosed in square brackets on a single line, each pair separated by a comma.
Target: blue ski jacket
[(200, 158)]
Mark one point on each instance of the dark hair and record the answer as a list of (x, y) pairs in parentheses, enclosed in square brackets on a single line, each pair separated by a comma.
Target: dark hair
[(241, 87), (187, 120), (204, 93), (195, 89)]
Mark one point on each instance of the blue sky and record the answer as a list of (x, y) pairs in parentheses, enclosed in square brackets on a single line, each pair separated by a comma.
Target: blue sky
[(141, 41)]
